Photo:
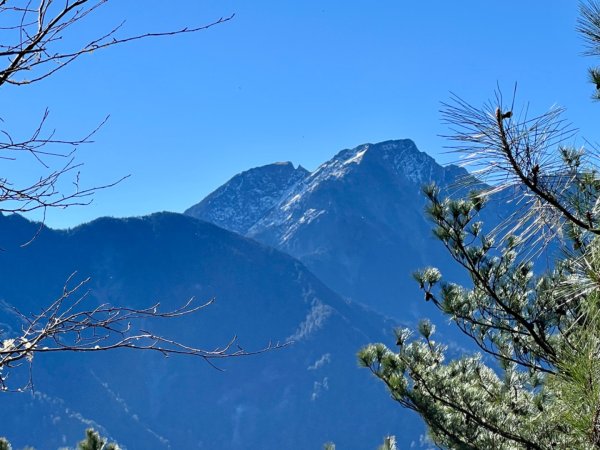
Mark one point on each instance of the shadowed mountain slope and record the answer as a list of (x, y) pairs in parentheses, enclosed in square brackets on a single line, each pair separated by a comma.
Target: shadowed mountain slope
[(296, 397)]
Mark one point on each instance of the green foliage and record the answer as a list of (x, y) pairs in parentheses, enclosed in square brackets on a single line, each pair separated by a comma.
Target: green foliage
[(93, 441), (389, 443), (535, 383), (329, 446), (542, 331), (5, 445), (589, 27), (576, 387)]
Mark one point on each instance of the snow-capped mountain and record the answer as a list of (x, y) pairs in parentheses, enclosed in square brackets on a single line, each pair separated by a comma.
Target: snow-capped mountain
[(357, 222), (397, 164)]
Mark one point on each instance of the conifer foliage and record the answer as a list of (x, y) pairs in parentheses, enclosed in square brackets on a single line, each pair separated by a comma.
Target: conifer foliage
[(535, 383), (92, 441)]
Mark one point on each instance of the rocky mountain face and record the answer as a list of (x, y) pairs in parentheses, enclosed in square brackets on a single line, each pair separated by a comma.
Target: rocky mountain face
[(255, 192), (357, 222), (297, 397)]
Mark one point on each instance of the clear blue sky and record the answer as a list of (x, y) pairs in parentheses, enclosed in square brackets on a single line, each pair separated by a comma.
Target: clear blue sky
[(289, 80)]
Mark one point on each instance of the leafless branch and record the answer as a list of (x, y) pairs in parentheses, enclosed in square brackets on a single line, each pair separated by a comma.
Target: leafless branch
[(36, 40), (34, 45), (69, 324)]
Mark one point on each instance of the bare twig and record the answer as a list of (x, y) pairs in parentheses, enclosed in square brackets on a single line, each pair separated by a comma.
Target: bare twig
[(34, 44), (531, 161), (69, 324)]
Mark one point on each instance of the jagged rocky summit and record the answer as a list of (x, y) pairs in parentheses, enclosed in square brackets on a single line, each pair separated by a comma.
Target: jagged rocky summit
[(255, 192)]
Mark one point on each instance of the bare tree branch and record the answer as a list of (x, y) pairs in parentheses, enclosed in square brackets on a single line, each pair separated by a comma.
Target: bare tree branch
[(38, 48), (34, 44), (69, 324)]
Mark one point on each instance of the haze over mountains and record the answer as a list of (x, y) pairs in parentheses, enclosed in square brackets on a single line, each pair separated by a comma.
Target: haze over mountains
[(357, 229)]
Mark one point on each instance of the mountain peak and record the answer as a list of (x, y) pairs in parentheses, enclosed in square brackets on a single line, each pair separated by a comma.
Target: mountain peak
[(253, 191), (281, 200), (401, 157), (381, 148)]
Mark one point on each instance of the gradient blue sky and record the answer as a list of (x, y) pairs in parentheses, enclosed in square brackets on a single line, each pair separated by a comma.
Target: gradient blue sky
[(288, 81)]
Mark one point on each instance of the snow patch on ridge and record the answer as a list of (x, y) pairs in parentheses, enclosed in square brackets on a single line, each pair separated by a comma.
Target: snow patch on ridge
[(314, 321), (323, 360), (335, 168), (308, 216), (356, 159)]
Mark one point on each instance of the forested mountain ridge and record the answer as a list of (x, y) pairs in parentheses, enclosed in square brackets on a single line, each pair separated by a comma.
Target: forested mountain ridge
[(297, 396)]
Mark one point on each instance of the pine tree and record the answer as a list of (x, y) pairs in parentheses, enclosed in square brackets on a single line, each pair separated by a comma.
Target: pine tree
[(535, 384), (93, 441)]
